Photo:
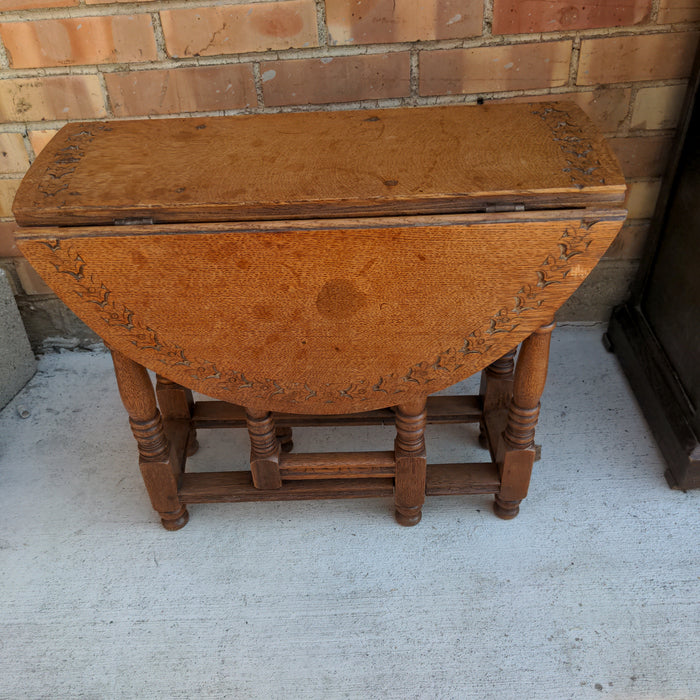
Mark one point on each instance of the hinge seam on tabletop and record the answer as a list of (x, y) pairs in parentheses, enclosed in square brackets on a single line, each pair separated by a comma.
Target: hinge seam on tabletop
[(132, 222), (493, 208)]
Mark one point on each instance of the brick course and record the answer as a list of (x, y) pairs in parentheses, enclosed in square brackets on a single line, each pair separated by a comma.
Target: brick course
[(227, 29), (630, 58), (65, 42), (9, 5), (13, 154), (641, 198), (385, 21), (658, 107), (642, 156), (672, 11), (51, 97), (629, 244), (200, 89), (8, 188), (39, 138), (527, 16), (344, 79), (495, 68), (8, 248)]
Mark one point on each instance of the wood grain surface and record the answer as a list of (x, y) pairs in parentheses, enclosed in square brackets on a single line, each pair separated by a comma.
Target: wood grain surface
[(314, 317), (333, 164)]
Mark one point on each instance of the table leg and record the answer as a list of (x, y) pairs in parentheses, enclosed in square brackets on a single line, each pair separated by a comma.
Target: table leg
[(286, 439), (496, 392), (409, 451), (157, 466), (264, 450), (516, 452), (176, 403)]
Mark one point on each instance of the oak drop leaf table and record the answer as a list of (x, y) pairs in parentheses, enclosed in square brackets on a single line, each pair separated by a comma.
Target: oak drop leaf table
[(329, 268)]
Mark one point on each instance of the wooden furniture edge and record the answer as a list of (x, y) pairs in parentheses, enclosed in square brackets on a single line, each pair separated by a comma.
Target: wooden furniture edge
[(657, 388)]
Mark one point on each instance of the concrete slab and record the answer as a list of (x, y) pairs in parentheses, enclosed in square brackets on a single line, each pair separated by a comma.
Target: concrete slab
[(593, 591), (17, 363)]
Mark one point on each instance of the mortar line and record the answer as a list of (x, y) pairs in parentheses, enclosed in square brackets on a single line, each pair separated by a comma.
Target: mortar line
[(414, 76), (160, 36), (4, 58), (487, 23), (321, 23), (106, 100), (654, 11), (257, 78), (574, 60)]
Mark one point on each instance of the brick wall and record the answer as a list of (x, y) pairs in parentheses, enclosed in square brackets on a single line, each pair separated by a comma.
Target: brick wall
[(626, 62)]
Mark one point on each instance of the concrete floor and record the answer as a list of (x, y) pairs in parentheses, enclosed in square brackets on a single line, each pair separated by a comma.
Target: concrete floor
[(593, 591)]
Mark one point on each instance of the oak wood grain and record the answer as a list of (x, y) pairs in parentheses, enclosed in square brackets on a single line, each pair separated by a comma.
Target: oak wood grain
[(440, 409), (232, 487), (301, 165), (465, 478), (308, 319), (516, 449), (338, 465)]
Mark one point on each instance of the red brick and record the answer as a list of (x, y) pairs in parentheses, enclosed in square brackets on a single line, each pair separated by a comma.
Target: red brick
[(29, 278), (658, 107), (606, 107), (83, 40), (61, 97), (341, 79), (384, 21), (494, 68), (8, 188), (642, 157), (109, 2), (629, 244), (641, 198), (526, 16), (8, 5), (226, 29), (640, 57), (199, 89), (13, 154), (671, 11), (8, 248), (39, 138)]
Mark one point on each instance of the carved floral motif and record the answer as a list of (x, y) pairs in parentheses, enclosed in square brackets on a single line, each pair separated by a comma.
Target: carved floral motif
[(577, 148), (124, 322), (56, 180)]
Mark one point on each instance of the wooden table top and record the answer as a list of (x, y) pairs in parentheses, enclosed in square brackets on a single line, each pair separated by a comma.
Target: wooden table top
[(237, 255), (431, 160), (322, 316)]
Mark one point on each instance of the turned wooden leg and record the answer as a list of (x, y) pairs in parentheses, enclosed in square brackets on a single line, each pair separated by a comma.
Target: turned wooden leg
[(264, 450), (285, 437), (409, 451), (176, 403), (496, 392), (157, 467), (516, 452)]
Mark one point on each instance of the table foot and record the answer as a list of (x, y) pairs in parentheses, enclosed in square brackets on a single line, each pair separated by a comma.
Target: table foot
[(175, 521), (408, 517), (506, 510)]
